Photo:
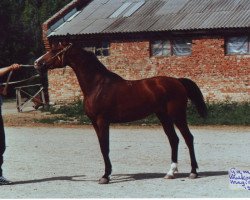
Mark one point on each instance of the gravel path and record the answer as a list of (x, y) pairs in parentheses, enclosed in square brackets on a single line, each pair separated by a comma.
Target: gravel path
[(66, 163)]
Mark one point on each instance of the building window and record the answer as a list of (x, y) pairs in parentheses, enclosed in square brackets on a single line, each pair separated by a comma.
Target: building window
[(161, 48), (238, 45), (182, 47), (100, 49), (178, 47)]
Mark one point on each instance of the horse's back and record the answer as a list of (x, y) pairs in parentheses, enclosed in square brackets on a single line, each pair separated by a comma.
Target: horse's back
[(159, 87), (131, 100)]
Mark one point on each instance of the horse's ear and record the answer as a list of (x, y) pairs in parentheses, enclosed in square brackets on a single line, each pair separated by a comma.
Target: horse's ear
[(53, 46), (63, 44), (56, 45), (60, 44), (67, 39)]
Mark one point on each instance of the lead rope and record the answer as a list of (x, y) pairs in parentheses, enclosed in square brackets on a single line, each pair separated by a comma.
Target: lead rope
[(7, 83), (26, 65), (15, 82), (21, 81)]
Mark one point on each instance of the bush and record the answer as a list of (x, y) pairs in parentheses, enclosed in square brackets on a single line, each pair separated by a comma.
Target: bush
[(224, 113), (68, 113)]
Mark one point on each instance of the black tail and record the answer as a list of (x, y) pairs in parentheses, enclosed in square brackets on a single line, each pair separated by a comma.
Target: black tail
[(195, 95)]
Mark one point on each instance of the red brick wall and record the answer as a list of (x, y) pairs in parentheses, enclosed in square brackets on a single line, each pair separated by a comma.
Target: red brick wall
[(63, 85), (220, 77)]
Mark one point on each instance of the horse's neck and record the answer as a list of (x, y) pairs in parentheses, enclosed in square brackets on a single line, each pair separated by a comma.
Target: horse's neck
[(90, 75)]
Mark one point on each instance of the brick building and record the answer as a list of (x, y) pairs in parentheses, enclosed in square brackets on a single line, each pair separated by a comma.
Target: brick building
[(205, 40)]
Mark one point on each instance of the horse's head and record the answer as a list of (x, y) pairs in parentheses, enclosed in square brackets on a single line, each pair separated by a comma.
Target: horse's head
[(55, 58)]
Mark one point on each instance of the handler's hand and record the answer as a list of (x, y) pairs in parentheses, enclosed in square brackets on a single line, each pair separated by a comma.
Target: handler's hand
[(14, 67)]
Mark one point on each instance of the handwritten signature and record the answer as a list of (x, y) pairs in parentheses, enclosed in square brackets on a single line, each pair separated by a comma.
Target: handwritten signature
[(239, 179)]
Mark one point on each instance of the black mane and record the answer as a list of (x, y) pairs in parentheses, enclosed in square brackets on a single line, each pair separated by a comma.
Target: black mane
[(95, 62)]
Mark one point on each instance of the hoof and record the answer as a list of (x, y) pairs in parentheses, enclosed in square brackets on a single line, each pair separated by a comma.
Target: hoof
[(193, 175), (104, 180), (169, 177)]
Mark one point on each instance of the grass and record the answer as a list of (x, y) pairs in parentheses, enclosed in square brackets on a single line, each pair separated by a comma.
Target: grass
[(71, 113), (224, 113)]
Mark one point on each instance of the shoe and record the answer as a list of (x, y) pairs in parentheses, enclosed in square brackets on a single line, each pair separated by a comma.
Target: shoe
[(36, 106), (4, 181)]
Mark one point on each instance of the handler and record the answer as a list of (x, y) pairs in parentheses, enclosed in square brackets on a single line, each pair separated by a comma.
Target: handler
[(3, 71)]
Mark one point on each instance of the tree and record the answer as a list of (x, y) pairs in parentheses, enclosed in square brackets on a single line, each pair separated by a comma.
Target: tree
[(20, 30), (10, 32)]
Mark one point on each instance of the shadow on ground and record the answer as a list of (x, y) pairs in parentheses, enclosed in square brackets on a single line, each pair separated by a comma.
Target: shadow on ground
[(117, 178), (144, 176)]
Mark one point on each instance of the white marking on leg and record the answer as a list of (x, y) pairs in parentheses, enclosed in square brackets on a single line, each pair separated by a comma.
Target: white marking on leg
[(173, 169)]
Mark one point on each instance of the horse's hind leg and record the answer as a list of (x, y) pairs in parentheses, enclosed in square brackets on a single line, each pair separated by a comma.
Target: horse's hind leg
[(168, 128), (181, 124)]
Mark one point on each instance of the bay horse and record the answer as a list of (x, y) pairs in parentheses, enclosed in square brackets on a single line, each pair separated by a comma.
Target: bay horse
[(108, 98)]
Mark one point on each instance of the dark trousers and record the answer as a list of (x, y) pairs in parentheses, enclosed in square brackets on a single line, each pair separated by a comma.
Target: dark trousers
[(2, 141)]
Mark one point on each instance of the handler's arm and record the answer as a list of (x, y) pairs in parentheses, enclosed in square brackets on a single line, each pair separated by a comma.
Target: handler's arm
[(5, 70)]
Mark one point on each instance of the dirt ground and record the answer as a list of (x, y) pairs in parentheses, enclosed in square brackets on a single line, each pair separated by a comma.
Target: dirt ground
[(26, 118), (65, 162)]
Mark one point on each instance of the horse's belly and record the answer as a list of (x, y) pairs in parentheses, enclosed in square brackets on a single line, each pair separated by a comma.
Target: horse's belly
[(127, 118), (129, 114)]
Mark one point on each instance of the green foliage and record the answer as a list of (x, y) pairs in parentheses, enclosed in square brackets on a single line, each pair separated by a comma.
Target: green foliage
[(226, 113), (68, 113), (20, 28), (21, 33), (70, 110)]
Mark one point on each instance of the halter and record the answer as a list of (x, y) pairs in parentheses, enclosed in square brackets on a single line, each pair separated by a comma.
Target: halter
[(62, 52), (57, 55)]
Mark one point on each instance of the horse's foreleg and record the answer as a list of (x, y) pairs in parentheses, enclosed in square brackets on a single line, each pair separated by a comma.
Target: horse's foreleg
[(168, 127), (102, 131)]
